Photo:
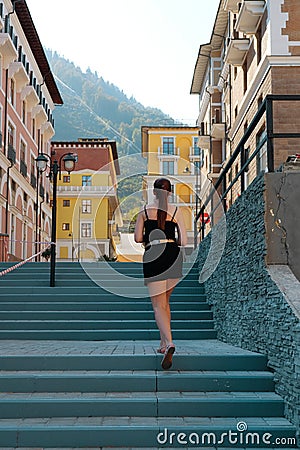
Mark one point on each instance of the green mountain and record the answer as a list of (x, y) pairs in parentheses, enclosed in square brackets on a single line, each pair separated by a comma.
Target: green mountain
[(96, 108)]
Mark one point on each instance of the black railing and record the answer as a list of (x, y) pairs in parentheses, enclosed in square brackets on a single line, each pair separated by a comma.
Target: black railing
[(266, 108), (33, 180), (42, 191), (23, 168), (11, 154)]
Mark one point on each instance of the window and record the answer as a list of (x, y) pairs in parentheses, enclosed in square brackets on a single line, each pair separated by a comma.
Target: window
[(65, 226), (32, 164), (86, 229), (23, 151), (198, 165), (168, 146), (86, 206), (195, 146), (11, 134), (24, 112), (12, 92), (86, 180), (258, 36), (259, 100), (66, 203), (66, 178), (168, 168), (262, 158)]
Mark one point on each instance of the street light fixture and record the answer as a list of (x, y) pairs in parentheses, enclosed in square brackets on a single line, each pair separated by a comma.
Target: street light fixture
[(69, 160)]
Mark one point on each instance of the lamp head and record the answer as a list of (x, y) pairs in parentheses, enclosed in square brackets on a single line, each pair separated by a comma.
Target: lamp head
[(41, 162), (69, 162)]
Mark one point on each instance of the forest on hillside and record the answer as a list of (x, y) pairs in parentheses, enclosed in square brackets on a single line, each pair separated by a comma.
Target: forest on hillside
[(96, 108)]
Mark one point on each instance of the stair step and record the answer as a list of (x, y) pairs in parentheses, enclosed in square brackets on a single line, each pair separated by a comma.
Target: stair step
[(103, 335), (96, 305), (126, 432), (111, 360), (57, 295), (142, 404), (92, 289), (44, 316), (135, 381), (100, 325)]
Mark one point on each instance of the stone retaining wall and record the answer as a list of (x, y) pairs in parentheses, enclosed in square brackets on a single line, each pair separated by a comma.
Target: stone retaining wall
[(249, 309)]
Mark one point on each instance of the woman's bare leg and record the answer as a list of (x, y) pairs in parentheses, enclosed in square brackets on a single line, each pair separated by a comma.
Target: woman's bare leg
[(161, 308)]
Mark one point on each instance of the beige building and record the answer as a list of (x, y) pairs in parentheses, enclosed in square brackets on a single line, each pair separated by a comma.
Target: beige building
[(252, 59)]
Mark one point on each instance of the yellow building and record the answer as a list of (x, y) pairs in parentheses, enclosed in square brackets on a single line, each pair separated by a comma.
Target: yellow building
[(87, 202), (172, 152)]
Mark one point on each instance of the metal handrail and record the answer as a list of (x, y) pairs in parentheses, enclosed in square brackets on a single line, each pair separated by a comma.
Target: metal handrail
[(265, 107)]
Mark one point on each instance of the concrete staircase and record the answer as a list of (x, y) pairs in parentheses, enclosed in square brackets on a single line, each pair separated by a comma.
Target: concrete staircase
[(79, 368)]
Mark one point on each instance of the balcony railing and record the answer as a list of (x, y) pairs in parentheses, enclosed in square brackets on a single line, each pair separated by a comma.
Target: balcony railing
[(11, 154), (33, 180), (195, 153), (106, 190), (42, 191), (168, 153), (23, 168), (250, 14)]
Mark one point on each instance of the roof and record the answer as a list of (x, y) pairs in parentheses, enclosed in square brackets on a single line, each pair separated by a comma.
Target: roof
[(33, 39), (216, 42), (92, 143)]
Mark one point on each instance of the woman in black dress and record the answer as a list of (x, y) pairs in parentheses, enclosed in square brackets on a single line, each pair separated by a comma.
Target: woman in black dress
[(161, 229)]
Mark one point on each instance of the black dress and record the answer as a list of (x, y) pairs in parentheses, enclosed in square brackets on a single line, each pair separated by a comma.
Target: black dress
[(161, 261)]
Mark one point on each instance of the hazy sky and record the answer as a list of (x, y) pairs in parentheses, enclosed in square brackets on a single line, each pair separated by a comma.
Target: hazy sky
[(148, 48)]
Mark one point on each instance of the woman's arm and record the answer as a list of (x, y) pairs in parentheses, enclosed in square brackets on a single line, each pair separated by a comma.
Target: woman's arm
[(181, 229), (139, 227)]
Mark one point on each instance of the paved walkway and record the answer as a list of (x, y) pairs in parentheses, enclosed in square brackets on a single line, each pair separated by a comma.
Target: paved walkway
[(93, 348)]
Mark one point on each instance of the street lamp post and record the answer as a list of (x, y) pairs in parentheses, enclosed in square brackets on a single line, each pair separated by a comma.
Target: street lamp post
[(69, 160)]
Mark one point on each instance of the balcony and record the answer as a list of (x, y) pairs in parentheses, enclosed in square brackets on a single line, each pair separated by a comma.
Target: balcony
[(23, 168), (232, 5), (29, 94), (47, 130), (11, 154), (204, 141), (249, 17), (17, 71), (237, 51), (218, 130), (173, 153), (7, 50), (39, 114)]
